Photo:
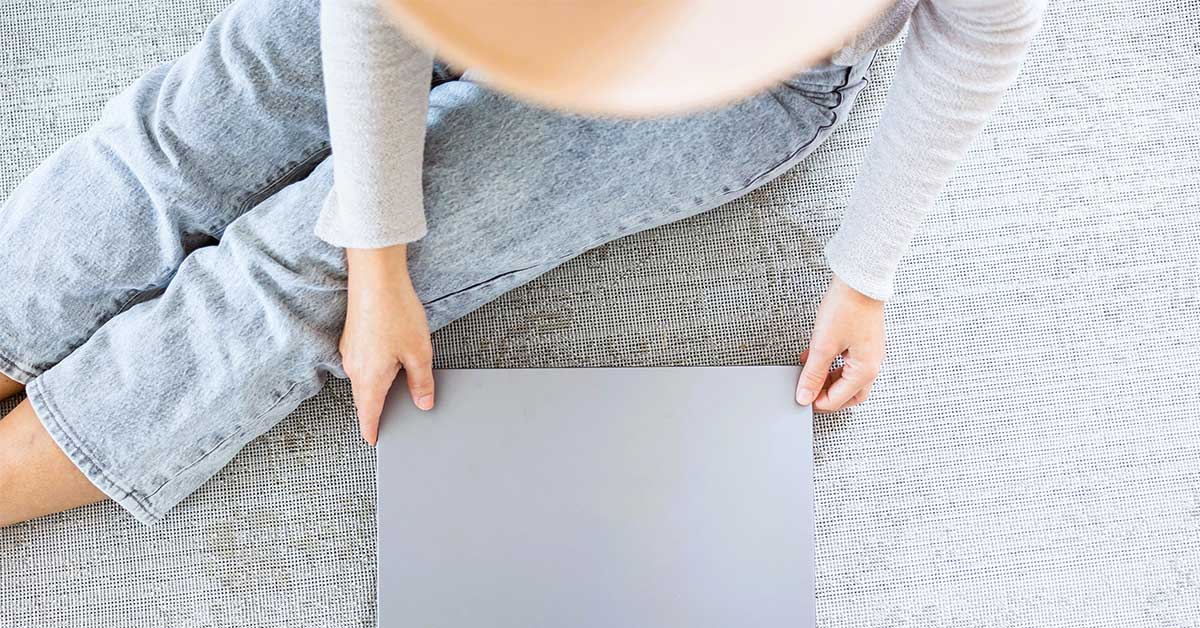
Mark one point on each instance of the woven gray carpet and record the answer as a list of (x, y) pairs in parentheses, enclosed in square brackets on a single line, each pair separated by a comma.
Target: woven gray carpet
[(1030, 455)]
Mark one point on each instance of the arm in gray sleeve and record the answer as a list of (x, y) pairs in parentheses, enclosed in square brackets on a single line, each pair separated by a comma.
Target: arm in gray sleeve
[(959, 58), (377, 96)]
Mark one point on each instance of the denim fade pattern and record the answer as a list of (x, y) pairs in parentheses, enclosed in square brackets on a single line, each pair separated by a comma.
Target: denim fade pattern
[(170, 302)]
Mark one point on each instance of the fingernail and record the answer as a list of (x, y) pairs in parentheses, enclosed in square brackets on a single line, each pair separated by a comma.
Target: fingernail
[(804, 396), (425, 402)]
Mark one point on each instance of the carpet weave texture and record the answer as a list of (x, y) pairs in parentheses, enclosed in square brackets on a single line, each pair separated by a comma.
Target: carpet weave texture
[(1030, 455)]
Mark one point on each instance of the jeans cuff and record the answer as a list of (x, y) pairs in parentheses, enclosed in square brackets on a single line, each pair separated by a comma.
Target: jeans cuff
[(76, 450)]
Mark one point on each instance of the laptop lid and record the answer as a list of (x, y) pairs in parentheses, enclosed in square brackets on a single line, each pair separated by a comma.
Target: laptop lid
[(567, 498)]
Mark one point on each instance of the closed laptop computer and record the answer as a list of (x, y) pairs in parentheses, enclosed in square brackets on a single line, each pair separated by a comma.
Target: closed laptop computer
[(600, 498)]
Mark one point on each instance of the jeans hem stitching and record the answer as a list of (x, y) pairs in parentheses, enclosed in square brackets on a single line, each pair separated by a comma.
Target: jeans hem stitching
[(13, 369), (236, 433), (73, 446)]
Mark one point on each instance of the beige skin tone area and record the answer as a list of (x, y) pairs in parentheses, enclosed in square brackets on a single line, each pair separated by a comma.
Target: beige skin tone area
[(386, 332), (36, 477)]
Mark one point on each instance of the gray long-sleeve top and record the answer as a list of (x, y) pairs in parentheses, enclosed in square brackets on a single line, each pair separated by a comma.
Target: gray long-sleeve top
[(959, 58)]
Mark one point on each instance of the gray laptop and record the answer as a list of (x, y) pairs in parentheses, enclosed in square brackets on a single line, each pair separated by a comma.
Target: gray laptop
[(599, 498)]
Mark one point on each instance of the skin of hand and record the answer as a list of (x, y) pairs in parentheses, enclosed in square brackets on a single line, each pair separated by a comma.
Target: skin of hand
[(849, 324), (385, 331)]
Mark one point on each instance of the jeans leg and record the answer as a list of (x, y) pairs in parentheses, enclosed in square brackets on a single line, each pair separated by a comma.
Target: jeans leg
[(514, 190), (248, 328), (106, 220), (245, 331)]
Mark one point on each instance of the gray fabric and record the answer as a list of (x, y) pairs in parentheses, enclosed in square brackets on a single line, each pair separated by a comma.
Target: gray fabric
[(1030, 455), (377, 100), (223, 342), (960, 57)]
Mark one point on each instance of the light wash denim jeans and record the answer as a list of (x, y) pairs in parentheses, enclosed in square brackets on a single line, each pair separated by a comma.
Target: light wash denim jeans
[(166, 301)]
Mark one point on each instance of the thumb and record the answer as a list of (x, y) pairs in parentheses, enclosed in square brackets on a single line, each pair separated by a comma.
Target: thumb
[(419, 374), (817, 360)]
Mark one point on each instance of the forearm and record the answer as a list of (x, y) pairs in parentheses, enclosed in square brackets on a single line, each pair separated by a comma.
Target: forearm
[(382, 262), (958, 59), (377, 96)]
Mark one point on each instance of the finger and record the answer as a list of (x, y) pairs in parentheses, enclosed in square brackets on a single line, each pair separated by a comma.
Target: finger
[(817, 359), (857, 374), (419, 374), (821, 403), (370, 390), (859, 398)]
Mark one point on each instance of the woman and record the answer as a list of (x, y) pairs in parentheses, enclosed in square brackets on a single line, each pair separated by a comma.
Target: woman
[(185, 273)]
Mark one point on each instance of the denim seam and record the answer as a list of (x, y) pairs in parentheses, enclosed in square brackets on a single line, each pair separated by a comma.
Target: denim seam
[(163, 280), (480, 284), (133, 294), (52, 419), (236, 433), (14, 369), (838, 91), (279, 182)]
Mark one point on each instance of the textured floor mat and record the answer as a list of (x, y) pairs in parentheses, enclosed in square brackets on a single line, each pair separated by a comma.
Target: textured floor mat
[(1029, 457)]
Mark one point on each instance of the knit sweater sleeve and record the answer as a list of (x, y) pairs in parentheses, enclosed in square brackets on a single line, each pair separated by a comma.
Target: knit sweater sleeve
[(959, 58), (377, 97)]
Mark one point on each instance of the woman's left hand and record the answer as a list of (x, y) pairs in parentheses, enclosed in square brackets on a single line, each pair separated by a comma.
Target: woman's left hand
[(849, 324), (385, 331)]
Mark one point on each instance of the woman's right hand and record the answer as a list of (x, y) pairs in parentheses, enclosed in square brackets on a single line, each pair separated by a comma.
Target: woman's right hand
[(385, 331)]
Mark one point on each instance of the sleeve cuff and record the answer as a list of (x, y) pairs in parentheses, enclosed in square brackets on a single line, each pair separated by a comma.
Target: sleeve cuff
[(339, 229), (846, 261)]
